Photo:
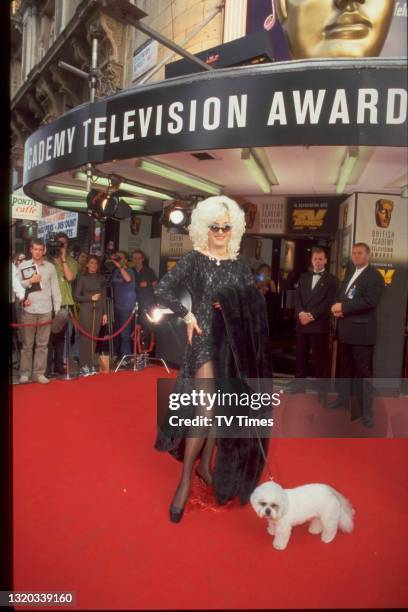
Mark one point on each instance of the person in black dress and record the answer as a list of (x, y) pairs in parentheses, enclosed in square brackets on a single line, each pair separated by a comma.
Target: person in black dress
[(90, 293), (208, 272)]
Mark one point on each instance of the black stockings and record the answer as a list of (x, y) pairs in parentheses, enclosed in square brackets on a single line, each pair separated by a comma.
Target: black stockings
[(197, 444)]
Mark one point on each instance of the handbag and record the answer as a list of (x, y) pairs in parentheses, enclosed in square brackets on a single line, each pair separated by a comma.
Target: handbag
[(59, 321)]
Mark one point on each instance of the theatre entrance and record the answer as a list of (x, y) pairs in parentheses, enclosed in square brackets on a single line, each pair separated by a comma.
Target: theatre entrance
[(287, 257)]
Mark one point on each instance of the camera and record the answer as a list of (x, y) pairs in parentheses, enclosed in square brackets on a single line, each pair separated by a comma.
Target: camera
[(54, 246)]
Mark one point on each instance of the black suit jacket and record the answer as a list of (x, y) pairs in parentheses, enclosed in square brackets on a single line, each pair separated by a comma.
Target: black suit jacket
[(359, 304), (317, 301)]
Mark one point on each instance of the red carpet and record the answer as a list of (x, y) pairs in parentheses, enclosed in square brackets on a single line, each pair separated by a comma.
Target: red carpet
[(91, 498)]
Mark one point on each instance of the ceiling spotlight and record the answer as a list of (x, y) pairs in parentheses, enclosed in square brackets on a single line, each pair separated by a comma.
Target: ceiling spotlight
[(176, 215), (106, 203)]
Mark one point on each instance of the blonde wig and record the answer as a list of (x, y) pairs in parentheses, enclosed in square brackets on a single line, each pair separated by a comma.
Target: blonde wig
[(207, 212)]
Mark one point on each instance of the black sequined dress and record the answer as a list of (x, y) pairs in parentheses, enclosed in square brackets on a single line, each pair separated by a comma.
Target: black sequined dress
[(206, 280), (203, 277)]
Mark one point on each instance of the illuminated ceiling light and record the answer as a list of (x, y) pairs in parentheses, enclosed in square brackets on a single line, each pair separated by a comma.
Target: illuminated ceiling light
[(101, 181), (256, 169), (179, 176), (263, 161), (346, 168), (134, 201), (136, 207), (71, 204), (62, 190)]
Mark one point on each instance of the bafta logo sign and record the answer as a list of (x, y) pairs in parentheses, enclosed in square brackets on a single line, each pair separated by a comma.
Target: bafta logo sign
[(383, 212), (335, 28)]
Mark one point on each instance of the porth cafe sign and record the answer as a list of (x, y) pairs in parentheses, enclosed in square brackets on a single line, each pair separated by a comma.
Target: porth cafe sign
[(318, 102), (23, 207)]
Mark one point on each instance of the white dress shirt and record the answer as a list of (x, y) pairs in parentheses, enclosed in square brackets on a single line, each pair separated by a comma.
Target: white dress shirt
[(356, 274), (316, 277)]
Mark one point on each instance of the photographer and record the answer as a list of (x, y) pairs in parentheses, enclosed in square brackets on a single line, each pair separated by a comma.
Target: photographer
[(124, 295), (67, 270)]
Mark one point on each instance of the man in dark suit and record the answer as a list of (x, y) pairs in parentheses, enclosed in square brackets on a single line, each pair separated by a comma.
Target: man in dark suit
[(355, 312), (315, 294)]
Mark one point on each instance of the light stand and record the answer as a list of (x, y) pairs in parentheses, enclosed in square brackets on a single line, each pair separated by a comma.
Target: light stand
[(140, 360)]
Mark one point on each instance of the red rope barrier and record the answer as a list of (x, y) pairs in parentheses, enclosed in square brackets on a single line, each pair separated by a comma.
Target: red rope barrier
[(91, 337), (31, 324)]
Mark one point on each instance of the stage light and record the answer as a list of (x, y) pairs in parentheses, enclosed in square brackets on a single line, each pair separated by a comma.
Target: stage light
[(155, 315), (179, 176), (106, 204), (176, 215)]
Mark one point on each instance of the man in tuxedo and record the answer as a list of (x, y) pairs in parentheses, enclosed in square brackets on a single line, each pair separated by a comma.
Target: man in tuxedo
[(355, 313), (315, 294)]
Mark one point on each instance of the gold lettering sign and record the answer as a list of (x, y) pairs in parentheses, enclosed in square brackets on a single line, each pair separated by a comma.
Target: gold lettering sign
[(387, 275), (308, 218)]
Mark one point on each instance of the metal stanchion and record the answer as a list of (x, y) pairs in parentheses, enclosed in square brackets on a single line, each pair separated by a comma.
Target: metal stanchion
[(136, 365), (68, 375), (109, 308)]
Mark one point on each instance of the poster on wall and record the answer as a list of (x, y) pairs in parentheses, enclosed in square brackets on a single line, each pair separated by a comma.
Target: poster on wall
[(136, 233), (61, 221), (266, 217), (257, 251), (287, 256), (382, 222), (173, 246), (317, 215), (23, 207)]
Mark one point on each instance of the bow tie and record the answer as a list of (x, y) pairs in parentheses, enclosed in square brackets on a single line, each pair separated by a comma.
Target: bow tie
[(318, 273)]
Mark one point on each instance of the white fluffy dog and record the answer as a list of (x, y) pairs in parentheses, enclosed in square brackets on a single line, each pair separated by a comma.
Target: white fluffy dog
[(325, 508)]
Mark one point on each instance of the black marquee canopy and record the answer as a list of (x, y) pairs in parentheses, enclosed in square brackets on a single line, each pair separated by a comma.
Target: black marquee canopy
[(319, 102)]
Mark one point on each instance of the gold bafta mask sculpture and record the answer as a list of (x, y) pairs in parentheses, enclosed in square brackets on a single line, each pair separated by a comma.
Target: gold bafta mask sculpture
[(135, 223), (250, 214), (335, 28), (383, 212)]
